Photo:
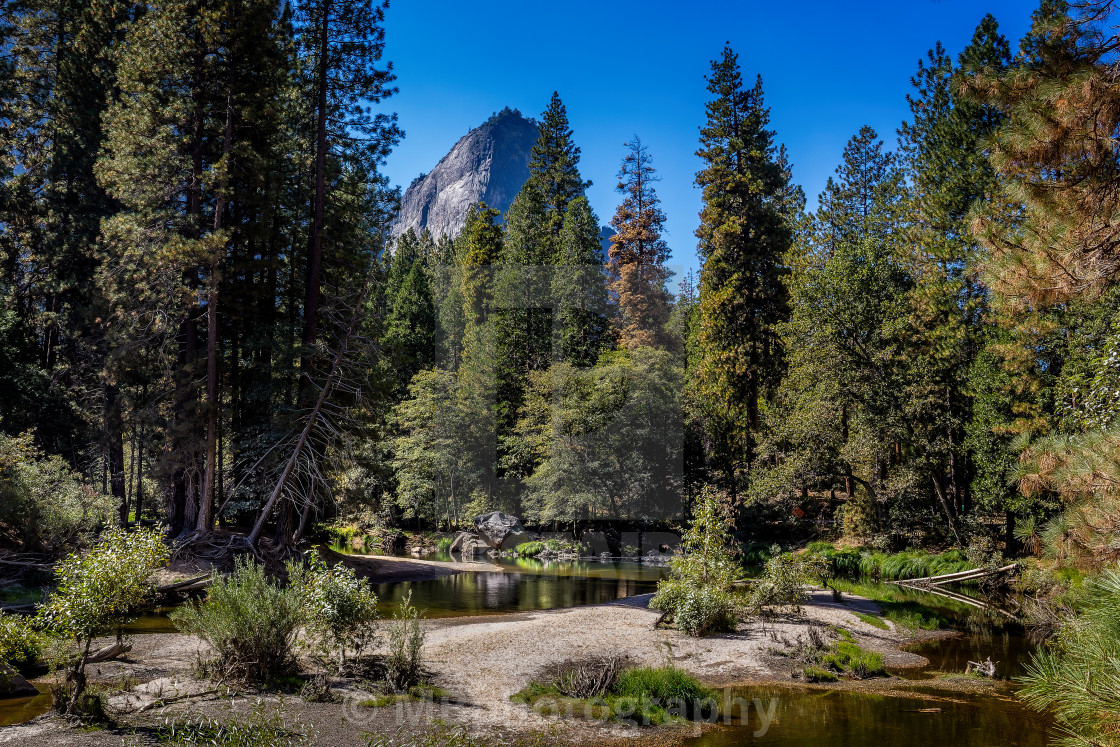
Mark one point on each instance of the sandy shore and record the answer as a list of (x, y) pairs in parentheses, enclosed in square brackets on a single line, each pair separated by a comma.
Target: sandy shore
[(480, 662)]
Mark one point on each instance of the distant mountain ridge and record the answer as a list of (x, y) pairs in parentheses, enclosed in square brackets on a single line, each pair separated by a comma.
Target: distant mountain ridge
[(488, 164)]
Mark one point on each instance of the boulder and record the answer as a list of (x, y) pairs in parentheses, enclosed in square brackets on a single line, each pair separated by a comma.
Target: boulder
[(12, 683), (500, 531), (461, 539)]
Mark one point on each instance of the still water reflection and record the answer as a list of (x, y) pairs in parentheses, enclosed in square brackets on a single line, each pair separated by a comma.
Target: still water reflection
[(841, 718)]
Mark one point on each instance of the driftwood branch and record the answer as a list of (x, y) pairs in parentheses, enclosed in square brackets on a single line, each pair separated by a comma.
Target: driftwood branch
[(950, 578), (112, 651)]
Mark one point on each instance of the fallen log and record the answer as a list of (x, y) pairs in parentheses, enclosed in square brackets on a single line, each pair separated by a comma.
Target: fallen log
[(950, 578), (190, 584), (985, 668), (112, 651)]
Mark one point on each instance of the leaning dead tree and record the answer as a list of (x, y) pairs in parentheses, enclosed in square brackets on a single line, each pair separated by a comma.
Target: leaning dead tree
[(300, 478), (302, 474)]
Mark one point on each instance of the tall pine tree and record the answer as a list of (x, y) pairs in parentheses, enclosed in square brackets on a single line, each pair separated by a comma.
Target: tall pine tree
[(743, 236)]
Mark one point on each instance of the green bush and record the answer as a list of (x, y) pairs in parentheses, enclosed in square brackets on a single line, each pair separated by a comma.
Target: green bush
[(659, 683), (783, 582), (444, 544), (94, 594), (45, 501), (701, 610), (697, 593), (529, 549), (647, 695), (250, 622), (20, 644), (406, 643), (339, 609)]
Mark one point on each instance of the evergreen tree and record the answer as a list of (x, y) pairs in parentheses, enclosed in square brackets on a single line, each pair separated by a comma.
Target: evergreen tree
[(743, 236), (59, 75), (942, 150), (578, 291), (638, 254), (409, 335), (554, 165)]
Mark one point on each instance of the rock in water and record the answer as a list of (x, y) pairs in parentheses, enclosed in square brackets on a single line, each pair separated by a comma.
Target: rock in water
[(12, 682), (489, 164), (500, 531)]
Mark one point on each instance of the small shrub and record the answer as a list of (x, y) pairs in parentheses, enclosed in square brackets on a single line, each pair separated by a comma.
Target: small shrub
[(263, 726), (701, 610), (589, 678), (249, 621), (94, 594), (848, 657), (444, 544), (339, 609), (784, 580), (20, 644), (406, 642), (697, 593)]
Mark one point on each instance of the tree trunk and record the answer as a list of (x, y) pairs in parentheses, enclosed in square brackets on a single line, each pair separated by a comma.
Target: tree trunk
[(206, 500), (318, 212), (114, 424)]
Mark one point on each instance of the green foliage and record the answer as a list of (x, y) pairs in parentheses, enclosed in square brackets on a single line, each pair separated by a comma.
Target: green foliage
[(649, 696), (406, 642), (339, 609), (849, 658), (44, 501), (818, 674), (697, 592), (263, 726), (853, 563), (660, 683), (784, 580), (249, 621), (95, 593), (1077, 676), (20, 643), (529, 549)]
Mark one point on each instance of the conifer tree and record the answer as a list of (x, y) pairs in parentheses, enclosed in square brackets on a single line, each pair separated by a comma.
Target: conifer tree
[(554, 165), (743, 236), (409, 335), (578, 290), (942, 150), (637, 255), (58, 70)]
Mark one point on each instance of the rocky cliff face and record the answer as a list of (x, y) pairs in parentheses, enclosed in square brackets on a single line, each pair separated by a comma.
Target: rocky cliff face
[(489, 164)]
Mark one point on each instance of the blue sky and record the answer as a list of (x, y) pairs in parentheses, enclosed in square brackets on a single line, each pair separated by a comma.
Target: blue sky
[(625, 68)]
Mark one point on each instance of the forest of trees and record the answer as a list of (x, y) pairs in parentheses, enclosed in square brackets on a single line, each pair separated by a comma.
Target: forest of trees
[(204, 316)]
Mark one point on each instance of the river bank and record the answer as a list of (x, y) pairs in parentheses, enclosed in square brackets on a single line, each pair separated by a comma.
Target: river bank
[(481, 661)]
